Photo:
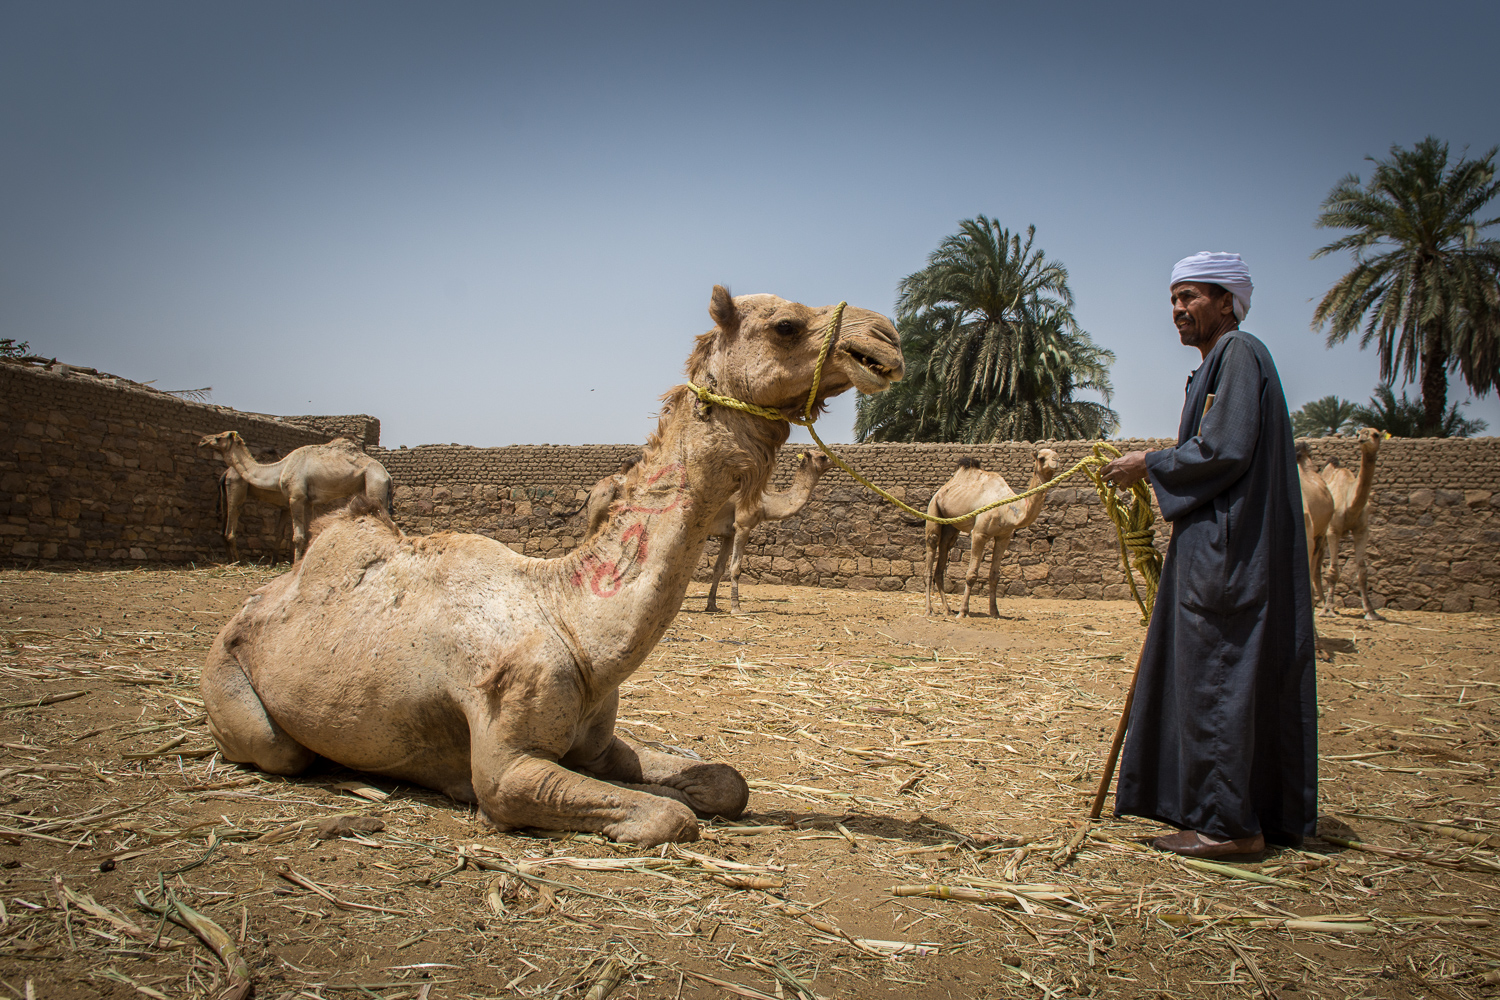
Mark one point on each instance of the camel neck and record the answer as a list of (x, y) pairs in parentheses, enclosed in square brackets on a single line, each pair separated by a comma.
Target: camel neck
[(1033, 503), (265, 477), (789, 502), (621, 590), (1366, 480)]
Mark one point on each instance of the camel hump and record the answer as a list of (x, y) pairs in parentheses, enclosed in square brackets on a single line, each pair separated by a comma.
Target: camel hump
[(968, 462), (358, 507), (1334, 461), (1304, 451)]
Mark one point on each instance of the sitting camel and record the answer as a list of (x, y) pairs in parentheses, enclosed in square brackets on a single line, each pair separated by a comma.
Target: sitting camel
[(603, 493), (453, 662), (234, 490), (733, 526), (311, 476), (1351, 500), (1317, 511), (969, 489)]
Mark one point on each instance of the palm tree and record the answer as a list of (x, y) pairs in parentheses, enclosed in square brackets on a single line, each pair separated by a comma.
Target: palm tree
[(1406, 417), (992, 349), (1326, 417), (1424, 282)]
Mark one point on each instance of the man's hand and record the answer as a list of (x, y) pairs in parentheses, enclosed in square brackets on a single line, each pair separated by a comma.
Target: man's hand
[(1125, 471)]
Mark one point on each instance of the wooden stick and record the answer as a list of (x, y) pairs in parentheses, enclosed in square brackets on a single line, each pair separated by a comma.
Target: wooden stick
[(1114, 748)]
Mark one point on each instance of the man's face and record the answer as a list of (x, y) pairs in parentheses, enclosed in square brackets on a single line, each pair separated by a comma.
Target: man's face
[(1201, 312)]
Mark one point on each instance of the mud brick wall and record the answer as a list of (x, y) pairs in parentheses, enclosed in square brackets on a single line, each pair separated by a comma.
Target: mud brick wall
[(361, 428), (95, 469), (1435, 541)]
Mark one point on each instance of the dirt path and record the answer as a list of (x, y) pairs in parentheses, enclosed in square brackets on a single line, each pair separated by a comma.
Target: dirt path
[(884, 749)]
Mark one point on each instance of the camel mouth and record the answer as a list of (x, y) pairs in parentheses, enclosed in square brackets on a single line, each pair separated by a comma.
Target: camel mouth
[(869, 374)]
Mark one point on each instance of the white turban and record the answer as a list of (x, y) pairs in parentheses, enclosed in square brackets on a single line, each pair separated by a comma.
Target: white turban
[(1223, 269)]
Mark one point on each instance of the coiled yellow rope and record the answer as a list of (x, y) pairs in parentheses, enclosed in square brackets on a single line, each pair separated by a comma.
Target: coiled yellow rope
[(1133, 524)]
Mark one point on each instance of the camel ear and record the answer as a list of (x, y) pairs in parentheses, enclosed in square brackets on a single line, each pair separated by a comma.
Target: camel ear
[(721, 308)]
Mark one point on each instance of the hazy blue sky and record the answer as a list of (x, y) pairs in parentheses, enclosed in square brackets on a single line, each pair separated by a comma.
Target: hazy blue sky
[(495, 224)]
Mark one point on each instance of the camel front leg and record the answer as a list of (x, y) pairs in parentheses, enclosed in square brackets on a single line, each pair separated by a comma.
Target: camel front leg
[(235, 491), (736, 559), (1317, 568), (977, 541), (998, 549), (1307, 531), (719, 564), (706, 788), (301, 508), (1361, 568), (283, 515), (239, 723), (518, 788), (1331, 585)]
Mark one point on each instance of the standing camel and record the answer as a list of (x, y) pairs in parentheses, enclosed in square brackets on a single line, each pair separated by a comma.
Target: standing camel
[(453, 662), (1317, 511), (233, 491), (1351, 513), (733, 525), (969, 489), (311, 476)]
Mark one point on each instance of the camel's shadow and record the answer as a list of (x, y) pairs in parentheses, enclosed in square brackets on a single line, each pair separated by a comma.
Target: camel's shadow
[(922, 831), (323, 775)]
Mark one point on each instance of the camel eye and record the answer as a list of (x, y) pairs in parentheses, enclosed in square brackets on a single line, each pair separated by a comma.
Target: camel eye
[(788, 328)]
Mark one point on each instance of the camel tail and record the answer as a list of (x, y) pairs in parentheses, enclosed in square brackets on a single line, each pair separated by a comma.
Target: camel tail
[(221, 504)]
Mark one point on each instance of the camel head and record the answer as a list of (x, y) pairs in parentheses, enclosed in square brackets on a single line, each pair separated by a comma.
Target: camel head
[(1369, 440), (764, 350), (1047, 465), (814, 462), (220, 442)]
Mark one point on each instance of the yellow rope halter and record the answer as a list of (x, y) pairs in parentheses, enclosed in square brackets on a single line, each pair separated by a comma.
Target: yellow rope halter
[(1133, 525)]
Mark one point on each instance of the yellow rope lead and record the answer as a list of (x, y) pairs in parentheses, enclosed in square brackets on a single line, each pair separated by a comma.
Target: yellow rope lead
[(1132, 526)]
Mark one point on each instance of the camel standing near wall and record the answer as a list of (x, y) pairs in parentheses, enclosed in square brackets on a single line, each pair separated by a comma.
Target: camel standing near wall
[(453, 662), (969, 489), (733, 525), (1317, 511), (1351, 514), (234, 491), (311, 476)]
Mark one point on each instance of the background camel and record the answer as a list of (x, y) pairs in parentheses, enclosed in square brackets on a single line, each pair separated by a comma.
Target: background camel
[(311, 476), (233, 492), (969, 489), (733, 525), (1351, 501), (1317, 511), (454, 662)]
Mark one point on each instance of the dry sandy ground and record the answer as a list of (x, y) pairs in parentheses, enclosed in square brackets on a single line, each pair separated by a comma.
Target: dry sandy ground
[(885, 750)]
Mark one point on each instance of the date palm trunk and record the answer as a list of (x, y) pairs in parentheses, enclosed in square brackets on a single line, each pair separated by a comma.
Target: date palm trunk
[(1434, 385)]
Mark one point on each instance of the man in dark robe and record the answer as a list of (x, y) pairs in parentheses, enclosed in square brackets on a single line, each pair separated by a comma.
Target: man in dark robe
[(1222, 740)]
